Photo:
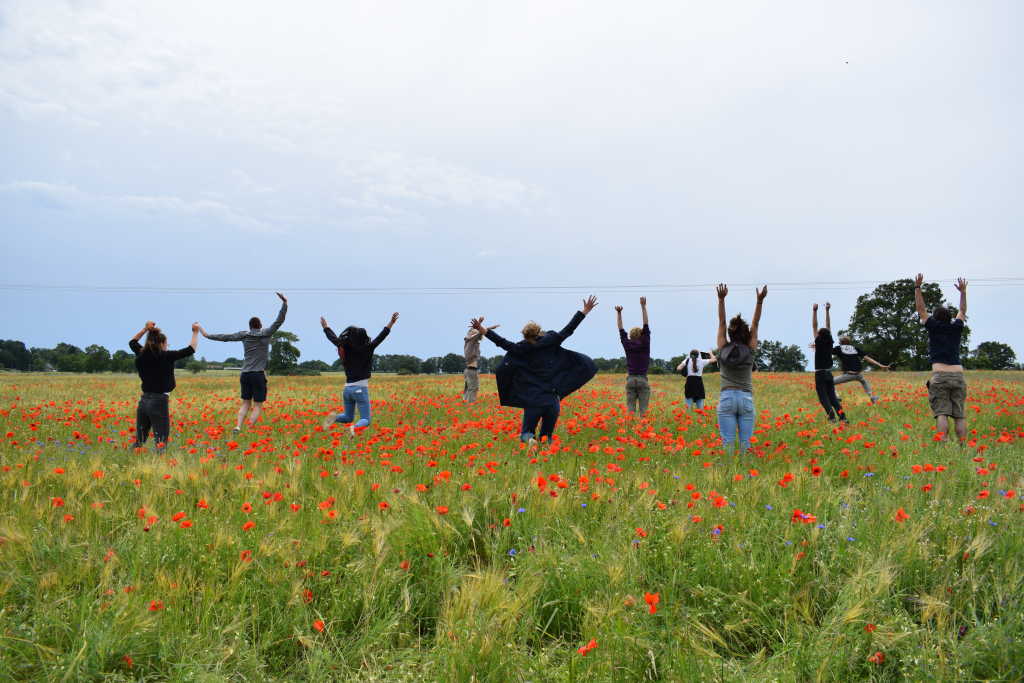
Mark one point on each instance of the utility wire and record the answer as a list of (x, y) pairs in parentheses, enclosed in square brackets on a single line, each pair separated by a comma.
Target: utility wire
[(510, 289)]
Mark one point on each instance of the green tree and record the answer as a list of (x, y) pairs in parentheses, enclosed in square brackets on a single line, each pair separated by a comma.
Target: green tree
[(884, 323), (122, 361), (316, 365), (774, 356), (14, 355), (452, 363), (284, 356), (195, 366), (992, 355), (97, 358), (430, 365)]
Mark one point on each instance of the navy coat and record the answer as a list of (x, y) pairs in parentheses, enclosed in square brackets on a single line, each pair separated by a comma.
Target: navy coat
[(532, 375)]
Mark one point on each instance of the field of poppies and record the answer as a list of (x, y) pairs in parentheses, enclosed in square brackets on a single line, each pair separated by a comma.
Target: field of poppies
[(434, 546)]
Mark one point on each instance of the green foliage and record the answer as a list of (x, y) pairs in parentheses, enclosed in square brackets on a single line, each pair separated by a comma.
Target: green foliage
[(885, 324), (992, 355), (774, 356), (14, 355), (284, 356), (452, 363)]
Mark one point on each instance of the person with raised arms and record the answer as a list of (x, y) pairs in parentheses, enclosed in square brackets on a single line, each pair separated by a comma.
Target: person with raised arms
[(471, 354), (356, 352), (736, 363), (537, 373), (824, 383), (253, 378), (693, 368), (155, 365), (947, 387), (637, 346), (851, 359)]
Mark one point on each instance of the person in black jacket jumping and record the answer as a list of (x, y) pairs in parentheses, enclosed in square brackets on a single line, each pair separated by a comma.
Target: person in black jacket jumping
[(537, 373), (356, 352), (155, 365)]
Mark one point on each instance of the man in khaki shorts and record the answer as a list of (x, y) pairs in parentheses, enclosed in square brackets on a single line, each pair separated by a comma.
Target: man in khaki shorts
[(947, 388), (471, 375)]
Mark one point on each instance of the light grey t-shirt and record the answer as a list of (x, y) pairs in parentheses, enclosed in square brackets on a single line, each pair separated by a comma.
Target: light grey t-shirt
[(255, 342), (736, 375)]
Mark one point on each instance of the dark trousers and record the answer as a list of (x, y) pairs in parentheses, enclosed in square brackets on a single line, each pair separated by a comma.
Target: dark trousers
[(546, 415), (152, 413), (825, 385)]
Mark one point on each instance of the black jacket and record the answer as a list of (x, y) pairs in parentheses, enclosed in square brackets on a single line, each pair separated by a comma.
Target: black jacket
[(156, 370), (533, 374), (357, 361)]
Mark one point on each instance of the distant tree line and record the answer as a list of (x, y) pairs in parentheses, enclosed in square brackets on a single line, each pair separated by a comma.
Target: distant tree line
[(884, 324)]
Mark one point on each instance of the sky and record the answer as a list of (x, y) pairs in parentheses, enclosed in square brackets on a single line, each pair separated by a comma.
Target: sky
[(182, 161)]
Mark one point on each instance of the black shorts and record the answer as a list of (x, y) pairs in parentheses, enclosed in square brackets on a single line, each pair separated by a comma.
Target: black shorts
[(254, 386)]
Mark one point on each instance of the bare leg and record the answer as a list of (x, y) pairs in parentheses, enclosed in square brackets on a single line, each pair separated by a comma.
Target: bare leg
[(257, 410), (942, 425), (242, 411), (961, 428)]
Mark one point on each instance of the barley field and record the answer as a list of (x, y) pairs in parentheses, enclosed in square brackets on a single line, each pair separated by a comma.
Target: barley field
[(434, 546)]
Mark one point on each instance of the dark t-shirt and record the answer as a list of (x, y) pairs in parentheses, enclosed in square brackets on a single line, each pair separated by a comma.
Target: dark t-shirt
[(849, 357), (638, 351), (157, 369), (823, 350), (944, 340)]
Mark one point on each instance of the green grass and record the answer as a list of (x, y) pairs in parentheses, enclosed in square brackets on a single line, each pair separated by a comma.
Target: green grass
[(408, 593)]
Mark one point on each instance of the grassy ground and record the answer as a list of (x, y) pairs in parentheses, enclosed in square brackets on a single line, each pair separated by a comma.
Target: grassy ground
[(433, 547)]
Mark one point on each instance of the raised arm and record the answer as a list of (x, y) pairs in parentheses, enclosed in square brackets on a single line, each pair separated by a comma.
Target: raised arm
[(643, 309), (328, 332), (961, 286), (828, 316), (922, 312), (712, 357), (814, 321), (133, 344), (276, 325), (233, 336), (618, 318), (190, 349), (722, 291), (761, 294), (478, 325)]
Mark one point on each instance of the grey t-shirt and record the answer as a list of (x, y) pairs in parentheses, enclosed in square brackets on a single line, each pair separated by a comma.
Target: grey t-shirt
[(736, 375), (255, 342)]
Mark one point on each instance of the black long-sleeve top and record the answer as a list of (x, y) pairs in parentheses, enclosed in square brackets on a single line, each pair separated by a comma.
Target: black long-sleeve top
[(157, 369), (358, 361)]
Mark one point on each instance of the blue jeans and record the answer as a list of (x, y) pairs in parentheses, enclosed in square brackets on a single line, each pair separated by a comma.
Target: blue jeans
[(353, 397), (736, 411), (546, 415), (698, 402)]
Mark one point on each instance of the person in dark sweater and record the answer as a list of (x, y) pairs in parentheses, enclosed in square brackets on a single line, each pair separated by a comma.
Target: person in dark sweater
[(824, 383), (356, 352), (947, 387), (637, 346), (155, 365), (253, 378), (851, 359), (537, 373)]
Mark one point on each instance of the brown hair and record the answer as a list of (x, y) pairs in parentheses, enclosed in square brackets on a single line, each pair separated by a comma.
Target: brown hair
[(739, 331), (942, 314), (254, 323), (531, 332), (694, 355), (155, 340)]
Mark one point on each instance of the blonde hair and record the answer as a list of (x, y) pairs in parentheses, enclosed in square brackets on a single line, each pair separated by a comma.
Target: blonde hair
[(531, 331), (635, 333)]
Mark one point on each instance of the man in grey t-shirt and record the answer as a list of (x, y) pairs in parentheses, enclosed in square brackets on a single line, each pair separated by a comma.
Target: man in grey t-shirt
[(256, 342)]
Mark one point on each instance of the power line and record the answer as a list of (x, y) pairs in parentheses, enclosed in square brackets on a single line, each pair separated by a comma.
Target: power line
[(509, 289)]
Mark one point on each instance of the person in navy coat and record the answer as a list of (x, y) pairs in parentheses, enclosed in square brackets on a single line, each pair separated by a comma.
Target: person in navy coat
[(537, 373)]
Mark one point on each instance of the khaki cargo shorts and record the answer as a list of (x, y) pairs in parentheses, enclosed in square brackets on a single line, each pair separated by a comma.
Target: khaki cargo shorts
[(947, 392)]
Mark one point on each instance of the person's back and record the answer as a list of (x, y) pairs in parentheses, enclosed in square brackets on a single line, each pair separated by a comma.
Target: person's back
[(736, 367), (156, 367), (944, 340)]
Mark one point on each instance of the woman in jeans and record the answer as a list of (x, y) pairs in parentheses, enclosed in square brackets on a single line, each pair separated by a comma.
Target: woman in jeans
[(155, 365), (356, 352), (537, 373), (736, 362)]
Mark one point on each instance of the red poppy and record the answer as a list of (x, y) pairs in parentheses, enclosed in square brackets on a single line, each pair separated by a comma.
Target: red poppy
[(652, 600), (318, 625), (442, 509)]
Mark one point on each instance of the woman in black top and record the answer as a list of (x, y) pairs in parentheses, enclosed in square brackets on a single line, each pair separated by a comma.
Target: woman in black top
[(155, 365), (356, 352), (824, 383)]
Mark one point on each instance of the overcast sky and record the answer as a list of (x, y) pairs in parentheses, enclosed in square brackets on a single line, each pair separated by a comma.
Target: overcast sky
[(331, 144)]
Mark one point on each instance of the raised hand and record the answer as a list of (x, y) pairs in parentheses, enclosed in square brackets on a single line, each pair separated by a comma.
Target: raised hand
[(960, 284), (394, 319), (722, 291), (282, 297), (762, 293), (828, 306), (195, 328), (149, 325), (323, 322), (589, 304), (478, 324), (618, 309), (643, 301), (814, 308), (919, 280)]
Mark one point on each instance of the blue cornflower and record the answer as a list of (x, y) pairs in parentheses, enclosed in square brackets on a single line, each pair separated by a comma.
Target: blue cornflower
[(768, 507), (511, 552)]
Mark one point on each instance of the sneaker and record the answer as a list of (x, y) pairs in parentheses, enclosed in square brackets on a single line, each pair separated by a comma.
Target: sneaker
[(874, 400), (236, 430), (352, 431), (330, 420)]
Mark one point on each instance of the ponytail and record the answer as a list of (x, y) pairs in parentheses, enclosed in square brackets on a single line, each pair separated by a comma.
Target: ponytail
[(693, 359), (155, 339)]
